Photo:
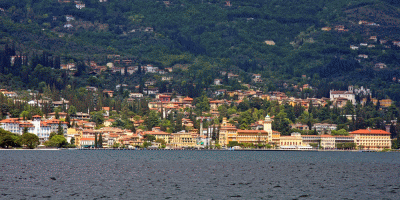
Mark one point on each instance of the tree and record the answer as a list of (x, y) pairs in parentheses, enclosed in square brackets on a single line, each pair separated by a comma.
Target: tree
[(151, 120), (72, 141), (9, 140), (340, 132), (393, 132), (60, 130), (72, 110), (233, 143), (100, 141), (178, 123), (132, 128), (56, 141), (349, 108), (52, 134), (307, 118), (97, 117), (68, 120), (95, 140), (203, 103), (57, 115), (146, 144), (162, 141), (30, 140), (116, 145), (149, 137)]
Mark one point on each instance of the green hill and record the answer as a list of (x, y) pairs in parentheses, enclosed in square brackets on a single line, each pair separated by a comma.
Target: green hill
[(211, 35)]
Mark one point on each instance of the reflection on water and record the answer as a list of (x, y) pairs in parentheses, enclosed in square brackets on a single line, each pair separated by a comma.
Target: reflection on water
[(198, 175)]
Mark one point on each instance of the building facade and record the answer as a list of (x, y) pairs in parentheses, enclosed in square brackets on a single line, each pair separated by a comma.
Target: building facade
[(372, 139)]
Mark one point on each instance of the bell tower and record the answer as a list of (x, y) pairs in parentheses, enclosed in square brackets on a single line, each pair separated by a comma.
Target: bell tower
[(268, 127)]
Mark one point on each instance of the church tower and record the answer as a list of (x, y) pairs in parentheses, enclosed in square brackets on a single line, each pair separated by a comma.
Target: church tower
[(268, 127), (351, 89)]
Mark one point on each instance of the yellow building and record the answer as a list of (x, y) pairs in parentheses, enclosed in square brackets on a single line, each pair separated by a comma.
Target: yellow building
[(292, 141), (229, 133), (160, 135), (75, 133), (372, 139), (252, 136), (328, 142), (108, 122), (183, 139)]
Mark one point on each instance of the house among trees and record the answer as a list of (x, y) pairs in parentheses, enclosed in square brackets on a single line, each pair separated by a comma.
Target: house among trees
[(80, 5), (217, 81), (326, 28), (349, 95), (380, 65), (269, 42)]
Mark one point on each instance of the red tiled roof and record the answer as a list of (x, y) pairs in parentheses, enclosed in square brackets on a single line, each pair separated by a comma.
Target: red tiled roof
[(251, 131), (370, 131), (326, 136), (341, 92), (87, 139), (156, 133)]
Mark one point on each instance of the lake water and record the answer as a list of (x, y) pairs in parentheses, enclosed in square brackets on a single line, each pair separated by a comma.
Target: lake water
[(145, 174)]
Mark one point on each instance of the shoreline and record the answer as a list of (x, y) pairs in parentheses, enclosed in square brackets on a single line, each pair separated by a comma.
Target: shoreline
[(105, 149)]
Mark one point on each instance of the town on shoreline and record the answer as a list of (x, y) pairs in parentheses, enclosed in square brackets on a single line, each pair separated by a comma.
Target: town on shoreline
[(191, 130)]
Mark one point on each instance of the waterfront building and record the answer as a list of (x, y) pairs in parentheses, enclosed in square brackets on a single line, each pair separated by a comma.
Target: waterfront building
[(372, 139), (36, 126), (328, 142), (159, 135), (87, 142), (230, 133), (183, 139), (293, 141)]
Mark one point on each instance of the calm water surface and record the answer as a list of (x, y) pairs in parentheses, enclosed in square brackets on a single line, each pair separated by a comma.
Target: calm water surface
[(198, 175)]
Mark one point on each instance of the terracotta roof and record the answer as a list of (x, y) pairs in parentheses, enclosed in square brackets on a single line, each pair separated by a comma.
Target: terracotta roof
[(370, 131), (156, 133), (87, 139), (10, 120), (37, 116), (341, 92), (251, 131), (310, 136), (327, 136)]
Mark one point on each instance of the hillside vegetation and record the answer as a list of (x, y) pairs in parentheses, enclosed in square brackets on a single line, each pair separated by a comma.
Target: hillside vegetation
[(211, 35)]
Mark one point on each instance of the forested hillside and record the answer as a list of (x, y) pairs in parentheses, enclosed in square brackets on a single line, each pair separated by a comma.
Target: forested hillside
[(283, 40)]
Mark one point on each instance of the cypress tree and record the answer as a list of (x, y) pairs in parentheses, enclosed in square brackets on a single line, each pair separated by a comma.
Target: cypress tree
[(68, 120), (100, 145), (60, 130), (133, 129), (73, 141), (95, 140)]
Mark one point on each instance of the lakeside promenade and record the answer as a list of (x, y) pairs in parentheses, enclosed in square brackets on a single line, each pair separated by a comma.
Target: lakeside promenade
[(192, 149)]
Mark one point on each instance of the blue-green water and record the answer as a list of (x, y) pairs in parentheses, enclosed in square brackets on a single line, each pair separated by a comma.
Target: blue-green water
[(198, 175)]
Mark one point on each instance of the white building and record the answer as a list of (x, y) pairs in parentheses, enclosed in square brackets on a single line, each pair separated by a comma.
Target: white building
[(349, 95), (135, 95), (80, 5), (69, 18), (36, 126), (362, 90), (324, 128), (217, 81), (86, 142)]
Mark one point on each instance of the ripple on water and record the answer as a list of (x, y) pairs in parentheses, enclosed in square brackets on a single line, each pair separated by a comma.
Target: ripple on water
[(197, 175)]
